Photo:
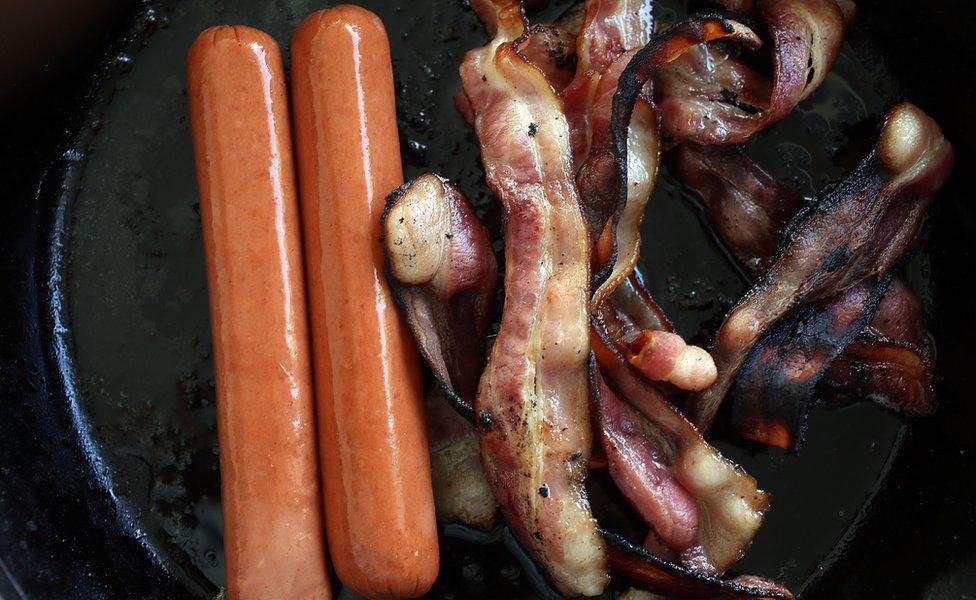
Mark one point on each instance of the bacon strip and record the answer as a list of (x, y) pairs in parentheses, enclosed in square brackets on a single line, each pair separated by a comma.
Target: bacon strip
[(890, 362), (633, 141), (699, 504), (774, 389), (640, 464), (442, 271), (676, 481), (712, 98), (746, 206), (646, 569), (609, 29), (532, 404), (856, 231)]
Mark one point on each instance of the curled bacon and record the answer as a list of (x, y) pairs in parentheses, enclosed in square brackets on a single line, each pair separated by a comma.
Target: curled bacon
[(712, 98), (748, 208), (633, 142), (532, 404), (629, 212), (699, 504), (855, 232), (442, 271), (775, 386)]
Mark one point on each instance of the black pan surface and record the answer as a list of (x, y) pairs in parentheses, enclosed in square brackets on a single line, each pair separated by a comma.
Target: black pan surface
[(108, 458)]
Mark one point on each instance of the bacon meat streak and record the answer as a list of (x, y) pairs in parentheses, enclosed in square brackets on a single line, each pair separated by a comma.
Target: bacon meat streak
[(532, 407), (855, 233), (442, 271), (890, 361), (712, 98)]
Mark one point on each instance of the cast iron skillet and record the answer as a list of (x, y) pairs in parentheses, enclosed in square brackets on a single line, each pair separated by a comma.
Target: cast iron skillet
[(108, 458)]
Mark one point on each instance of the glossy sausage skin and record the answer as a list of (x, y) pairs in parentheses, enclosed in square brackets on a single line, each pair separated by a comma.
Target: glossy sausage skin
[(273, 535), (379, 506)]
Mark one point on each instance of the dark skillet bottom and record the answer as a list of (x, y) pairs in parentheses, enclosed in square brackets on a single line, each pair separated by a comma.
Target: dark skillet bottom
[(868, 509)]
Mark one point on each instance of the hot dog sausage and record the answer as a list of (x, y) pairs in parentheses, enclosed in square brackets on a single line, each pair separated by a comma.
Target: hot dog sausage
[(273, 536), (379, 505)]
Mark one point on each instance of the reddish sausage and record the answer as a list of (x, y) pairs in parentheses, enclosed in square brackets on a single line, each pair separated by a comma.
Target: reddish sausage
[(379, 506), (265, 414)]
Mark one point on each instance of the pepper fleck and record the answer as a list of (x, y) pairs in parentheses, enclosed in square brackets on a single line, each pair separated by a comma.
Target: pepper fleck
[(544, 491), (533, 129), (486, 420)]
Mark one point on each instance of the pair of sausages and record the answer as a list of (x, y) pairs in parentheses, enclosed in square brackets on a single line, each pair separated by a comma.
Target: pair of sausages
[(376, 496)]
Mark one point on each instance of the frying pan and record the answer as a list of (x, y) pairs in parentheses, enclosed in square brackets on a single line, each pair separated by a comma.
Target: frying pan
[(108, 459)]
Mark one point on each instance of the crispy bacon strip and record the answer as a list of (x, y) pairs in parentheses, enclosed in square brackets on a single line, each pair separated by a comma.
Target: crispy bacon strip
[(774, 389), (442, 271), (699, 504), (618, 250), (532, 403), (890, 362), (712, 98), (633, 144), (646, 569), (855, 232)]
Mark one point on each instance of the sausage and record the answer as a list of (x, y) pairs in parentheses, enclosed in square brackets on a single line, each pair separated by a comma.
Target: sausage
[(273, 536), (379, 506)]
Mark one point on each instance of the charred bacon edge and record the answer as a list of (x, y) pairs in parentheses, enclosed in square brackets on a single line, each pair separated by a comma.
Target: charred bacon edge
[(908, 164), (662, 48), (770, 406), (665, 577), (851, 377)]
